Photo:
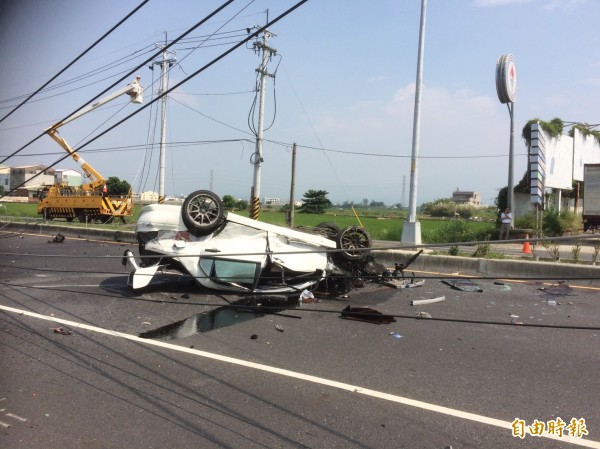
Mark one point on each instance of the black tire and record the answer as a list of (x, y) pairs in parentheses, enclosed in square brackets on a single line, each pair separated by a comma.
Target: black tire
[(202, 212), (329, 230), (355, 241)]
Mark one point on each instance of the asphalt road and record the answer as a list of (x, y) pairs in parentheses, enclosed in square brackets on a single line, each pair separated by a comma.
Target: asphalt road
[(75, 372)]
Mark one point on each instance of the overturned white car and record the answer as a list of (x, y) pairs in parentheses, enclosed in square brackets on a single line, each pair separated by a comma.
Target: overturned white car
[(229, 253)]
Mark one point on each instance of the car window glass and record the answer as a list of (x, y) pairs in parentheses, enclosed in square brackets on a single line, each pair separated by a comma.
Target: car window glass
[(206, 266), (238, 272)]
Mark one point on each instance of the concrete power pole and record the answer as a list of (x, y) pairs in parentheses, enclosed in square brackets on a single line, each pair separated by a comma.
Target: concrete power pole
[(411, 231), (166, 62), (257, 158), (403, 195), (292, 189)]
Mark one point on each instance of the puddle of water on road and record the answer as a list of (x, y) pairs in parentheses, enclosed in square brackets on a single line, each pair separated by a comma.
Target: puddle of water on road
[(244, 310)]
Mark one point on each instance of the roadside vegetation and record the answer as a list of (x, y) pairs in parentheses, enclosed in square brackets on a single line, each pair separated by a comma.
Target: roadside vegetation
[(442, 221), (381, 223)]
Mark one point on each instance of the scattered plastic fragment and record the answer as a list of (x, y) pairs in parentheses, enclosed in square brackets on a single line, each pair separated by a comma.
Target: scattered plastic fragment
[(366, 314), (396, 335), (562, 289), (62, 331), (279, 327), (403, 283), (418, 302), (514, 319), (466, 285), (307, 297), (59, 238), (551, 302), (254, 337), (423, 315)]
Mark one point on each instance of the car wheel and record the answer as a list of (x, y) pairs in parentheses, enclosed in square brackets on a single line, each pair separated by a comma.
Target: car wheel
[(202, 212), (355, 241), (329, 230)]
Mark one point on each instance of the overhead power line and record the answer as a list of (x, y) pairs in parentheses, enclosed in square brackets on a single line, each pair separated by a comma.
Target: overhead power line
[(168, 91), (128, 74), (77, 58)]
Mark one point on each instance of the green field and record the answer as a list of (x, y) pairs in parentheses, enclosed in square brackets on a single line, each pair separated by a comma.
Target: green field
[(381, 225)]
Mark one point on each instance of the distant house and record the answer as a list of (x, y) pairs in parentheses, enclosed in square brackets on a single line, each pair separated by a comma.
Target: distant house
[(466, 197), (5, 177), (67, 177), (24, 176), (272, 201)]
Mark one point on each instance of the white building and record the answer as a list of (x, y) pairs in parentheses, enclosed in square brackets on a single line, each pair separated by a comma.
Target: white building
[(466, 197), (149, 196), (67, 177)]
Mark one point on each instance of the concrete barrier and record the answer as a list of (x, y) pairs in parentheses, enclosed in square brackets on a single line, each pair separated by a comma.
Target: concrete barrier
[(498, 268), (111, 235)]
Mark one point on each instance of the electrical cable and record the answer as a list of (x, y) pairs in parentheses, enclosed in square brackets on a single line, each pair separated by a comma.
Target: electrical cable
[(185, 80), (77, 58), (201, 22), (274, 94), (313, 310), (84, 76), (213, 119), (375, 278)]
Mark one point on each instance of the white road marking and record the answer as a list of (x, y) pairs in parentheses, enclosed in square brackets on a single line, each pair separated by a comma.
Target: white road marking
[(5, 425), (306, 377), (50, 286)]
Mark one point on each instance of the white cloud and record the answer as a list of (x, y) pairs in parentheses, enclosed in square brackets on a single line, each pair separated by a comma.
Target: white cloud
[(563, 4), (493, 3)]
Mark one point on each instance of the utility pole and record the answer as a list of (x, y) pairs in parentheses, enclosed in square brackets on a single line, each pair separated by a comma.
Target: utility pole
[(403, 195), (411, 231), (166, 61), (257, 157), (292, 188)]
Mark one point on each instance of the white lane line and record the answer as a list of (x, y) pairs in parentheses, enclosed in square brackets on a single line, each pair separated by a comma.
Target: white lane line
[(5, 425), (307, 377), (50, 286)]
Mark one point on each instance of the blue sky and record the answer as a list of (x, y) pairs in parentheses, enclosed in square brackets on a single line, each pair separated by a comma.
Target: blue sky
[(343, 91)]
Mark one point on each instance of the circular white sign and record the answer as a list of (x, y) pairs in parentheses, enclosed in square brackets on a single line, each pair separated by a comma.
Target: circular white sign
[(506, 79)]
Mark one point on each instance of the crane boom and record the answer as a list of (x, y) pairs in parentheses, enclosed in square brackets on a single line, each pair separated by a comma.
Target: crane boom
[(134, 90), (89, 202)]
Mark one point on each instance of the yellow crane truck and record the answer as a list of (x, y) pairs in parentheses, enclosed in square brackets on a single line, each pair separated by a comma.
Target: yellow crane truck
[(90, 201)]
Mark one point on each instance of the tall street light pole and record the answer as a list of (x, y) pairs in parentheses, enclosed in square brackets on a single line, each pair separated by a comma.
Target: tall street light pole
[(506, 88), (411, 231)]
